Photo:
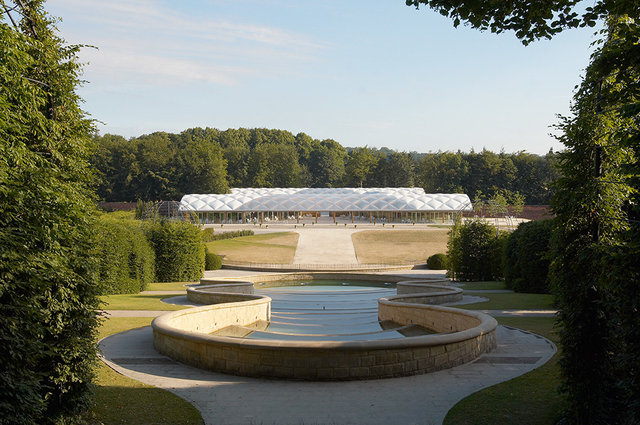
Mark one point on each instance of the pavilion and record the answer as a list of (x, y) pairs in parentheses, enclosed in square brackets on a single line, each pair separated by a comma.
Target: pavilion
[(375, 205)]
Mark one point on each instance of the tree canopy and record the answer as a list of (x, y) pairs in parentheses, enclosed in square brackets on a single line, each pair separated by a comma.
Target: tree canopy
[(529, 21), (48, 291), (166, 166)]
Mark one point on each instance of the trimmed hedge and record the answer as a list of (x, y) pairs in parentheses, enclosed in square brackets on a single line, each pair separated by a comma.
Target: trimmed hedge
[(208, 234), (437, 262), (179, 250), (475, 251), (126, 261), (526, 258), (212, 261)]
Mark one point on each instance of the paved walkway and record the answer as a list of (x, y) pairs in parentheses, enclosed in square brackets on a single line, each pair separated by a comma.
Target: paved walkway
[(325, 246), (422, 399)]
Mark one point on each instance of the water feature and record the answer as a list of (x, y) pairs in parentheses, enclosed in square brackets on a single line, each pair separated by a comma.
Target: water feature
[(324, 310)]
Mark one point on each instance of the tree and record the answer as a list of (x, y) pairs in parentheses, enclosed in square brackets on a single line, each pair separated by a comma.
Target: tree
[(48, 291), (326, 164), (530, 23), (595, 270), (202, 166), (360, 166)]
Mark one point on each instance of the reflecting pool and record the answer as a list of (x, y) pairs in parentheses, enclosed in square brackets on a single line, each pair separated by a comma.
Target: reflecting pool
[(323, 310)]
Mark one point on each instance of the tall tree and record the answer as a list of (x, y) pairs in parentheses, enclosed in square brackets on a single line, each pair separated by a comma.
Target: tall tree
[(48, 294), (360, 166), (595, 268)]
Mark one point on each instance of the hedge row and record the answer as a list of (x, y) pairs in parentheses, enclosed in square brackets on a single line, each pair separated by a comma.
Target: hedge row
[(478, 251), (526, 258), (475, 251), (179, 251), (126, 259), (131, 255), (208, 234)]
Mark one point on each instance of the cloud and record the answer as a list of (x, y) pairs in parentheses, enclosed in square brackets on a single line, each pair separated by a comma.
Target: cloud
[(146, 40)]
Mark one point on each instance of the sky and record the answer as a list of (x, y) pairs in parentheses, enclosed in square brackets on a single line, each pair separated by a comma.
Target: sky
[(364, 73)]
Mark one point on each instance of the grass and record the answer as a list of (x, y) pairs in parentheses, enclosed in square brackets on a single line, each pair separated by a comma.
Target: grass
[(499, 284), (518, 301), (137, 302), (121, 400), (278, 248), (168, 286), (399, 246), (530, 399)]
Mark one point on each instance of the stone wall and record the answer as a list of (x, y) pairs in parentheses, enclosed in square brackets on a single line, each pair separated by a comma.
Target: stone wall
[(185, 336)]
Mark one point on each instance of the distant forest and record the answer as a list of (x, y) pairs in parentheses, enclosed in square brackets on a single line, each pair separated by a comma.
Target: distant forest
[(163, 166)]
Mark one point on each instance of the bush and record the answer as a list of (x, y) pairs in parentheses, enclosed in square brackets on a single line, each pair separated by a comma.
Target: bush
[(208, 234), (179, 250), (526, 258), (437, 262), (48, 290), (126, 262), (230, 235), (212, 261), (475, 251)]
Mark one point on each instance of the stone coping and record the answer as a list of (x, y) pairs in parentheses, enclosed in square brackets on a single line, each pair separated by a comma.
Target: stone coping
[(324, 275), (185, 335)]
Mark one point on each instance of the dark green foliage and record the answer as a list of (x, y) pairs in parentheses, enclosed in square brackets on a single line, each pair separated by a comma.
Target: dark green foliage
[(529, 22), (595, 265), (475, 251), (526, 257), (229, 235), (179, 250), (166, 166), (437, 262), (144, 209), (212, 261), (207, 234), (48, 290), (126, 260)]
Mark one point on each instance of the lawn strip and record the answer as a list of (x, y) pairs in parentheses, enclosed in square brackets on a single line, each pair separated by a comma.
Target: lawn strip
[(121, 400), (530, 399)]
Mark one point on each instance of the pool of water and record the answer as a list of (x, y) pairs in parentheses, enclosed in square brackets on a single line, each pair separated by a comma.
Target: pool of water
[(325, 311)]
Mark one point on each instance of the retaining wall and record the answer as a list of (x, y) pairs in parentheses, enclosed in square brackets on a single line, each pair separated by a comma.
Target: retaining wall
[(185, 336)]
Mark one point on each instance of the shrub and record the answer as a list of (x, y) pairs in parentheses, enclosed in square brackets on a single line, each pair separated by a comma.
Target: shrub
[(207, 234), (437, 262), (48, 291), (230, 235), (526, 258), (212, 261), (125, 258), (179, 250), (475, 251)]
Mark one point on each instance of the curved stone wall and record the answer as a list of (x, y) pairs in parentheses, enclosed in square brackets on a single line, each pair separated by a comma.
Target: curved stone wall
[(185, 335), (431, 291)]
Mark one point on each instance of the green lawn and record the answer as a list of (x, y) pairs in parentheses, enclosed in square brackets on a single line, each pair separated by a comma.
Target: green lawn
[(399, 246), (484, 285), (506, 301), (121, 400), (137, 302), (279, 248), (531, 399), (169, 286)]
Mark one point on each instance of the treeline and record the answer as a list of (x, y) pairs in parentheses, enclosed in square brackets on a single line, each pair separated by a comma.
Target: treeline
[(167, 165)]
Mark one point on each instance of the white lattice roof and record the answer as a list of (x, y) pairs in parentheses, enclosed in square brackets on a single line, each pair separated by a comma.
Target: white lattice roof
[(326, 199)]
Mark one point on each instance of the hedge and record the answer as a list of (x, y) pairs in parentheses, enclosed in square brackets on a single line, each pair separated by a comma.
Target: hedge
[(212, 261), (208, 234), (475, 251), (526, 258), (179, 250), (437, 262), (126, 261)]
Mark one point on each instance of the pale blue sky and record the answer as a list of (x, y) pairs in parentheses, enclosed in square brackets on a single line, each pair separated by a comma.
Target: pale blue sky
[(374, 73)]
